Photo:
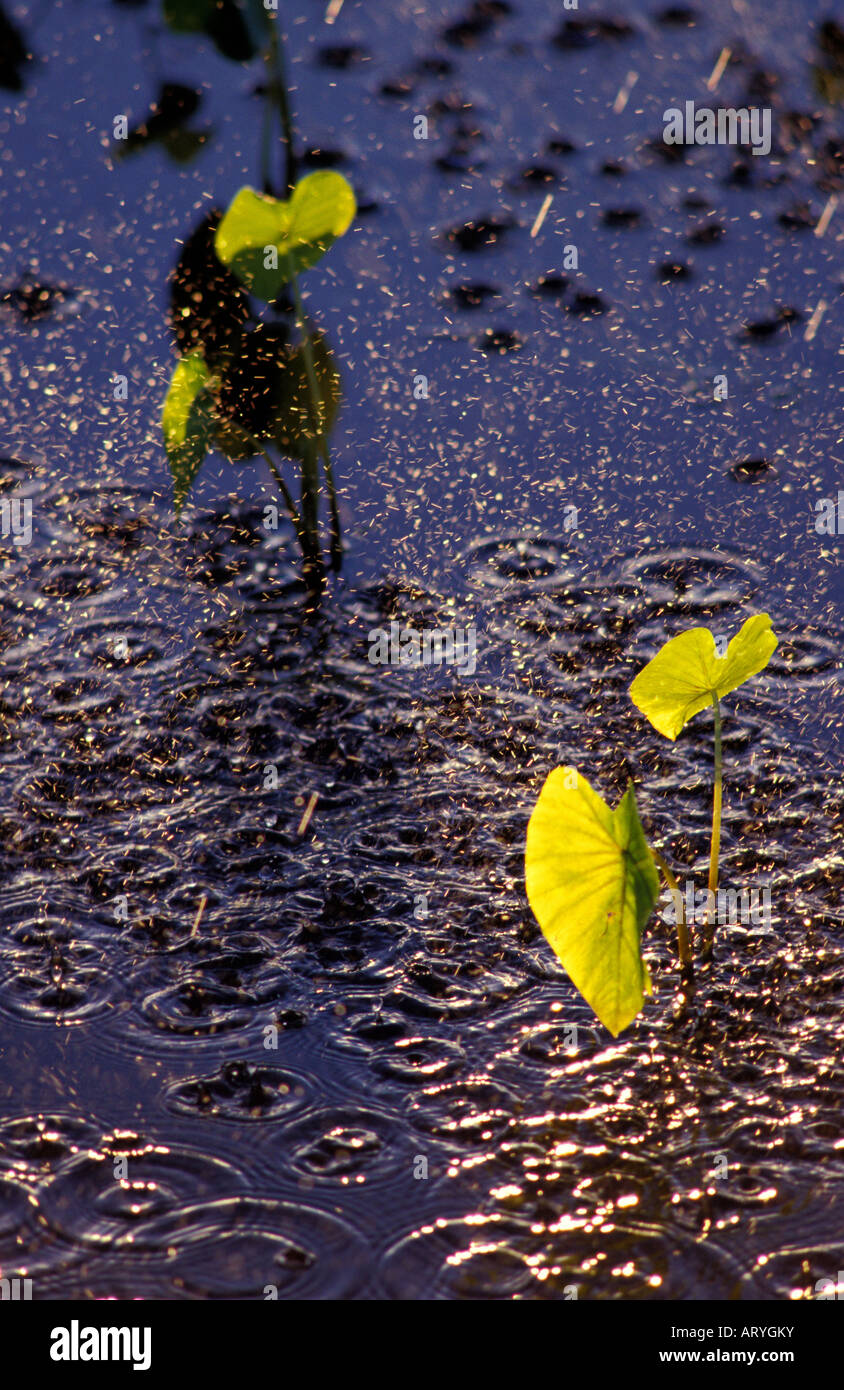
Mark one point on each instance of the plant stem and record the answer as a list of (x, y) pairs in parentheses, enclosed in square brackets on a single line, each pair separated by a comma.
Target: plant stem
[(336, 545), (310, 497), (715, 846), (316, 409), (308, 544), (684, 943), (285, 492), (266, 135), (274, 57), (308, 523)]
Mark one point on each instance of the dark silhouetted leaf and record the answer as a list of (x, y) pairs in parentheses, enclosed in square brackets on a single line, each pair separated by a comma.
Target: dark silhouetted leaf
[(251, 380), (293, 425), (209, 308), (264, 392), (166, 125), (223, 21)]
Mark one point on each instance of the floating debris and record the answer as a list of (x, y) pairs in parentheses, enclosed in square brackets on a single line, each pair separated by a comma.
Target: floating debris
[(498, 340), (585, 33), (765, 328), (622, 217), (585, 303), (473, 296), (541, 215), (799, 218), (678, 16), (551, 286), (814, 322), (474, 236), (750, 470), (32, 300), (670, 271), (341, 57), (707, 234), (476, 23)]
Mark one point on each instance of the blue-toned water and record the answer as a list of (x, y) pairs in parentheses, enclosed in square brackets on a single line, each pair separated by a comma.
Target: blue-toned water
[(338, 1060)]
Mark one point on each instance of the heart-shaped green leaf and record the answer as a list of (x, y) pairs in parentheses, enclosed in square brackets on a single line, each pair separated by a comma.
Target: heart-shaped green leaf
[(592, 885), (687, 674), (266, 241), (188, 421)]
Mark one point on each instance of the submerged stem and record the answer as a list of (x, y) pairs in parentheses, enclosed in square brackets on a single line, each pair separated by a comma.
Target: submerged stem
[(285, 492), (684, 943), (336, 545), (715, 846), (316, 412), (310, 496), (308, 543)]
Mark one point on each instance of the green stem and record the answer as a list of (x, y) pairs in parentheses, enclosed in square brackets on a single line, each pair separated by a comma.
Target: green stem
[(274, 57), (266, 136), (316, 411), (336, 545), (310, 497), (285, 492), (305, 531), (684, 943), (715, 846)]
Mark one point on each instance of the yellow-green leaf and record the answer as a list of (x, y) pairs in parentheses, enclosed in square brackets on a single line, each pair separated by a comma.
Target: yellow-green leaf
[(592, 885), (188, 421), (266, 240), (687, 674)]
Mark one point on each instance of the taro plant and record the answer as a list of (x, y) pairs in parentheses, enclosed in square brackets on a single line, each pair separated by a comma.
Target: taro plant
[(244, 387), (266, 242), (590, 873)]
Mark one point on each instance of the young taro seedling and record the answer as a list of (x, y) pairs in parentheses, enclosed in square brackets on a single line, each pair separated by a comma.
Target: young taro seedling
[(246, 395), (591, 876), (266, 242)]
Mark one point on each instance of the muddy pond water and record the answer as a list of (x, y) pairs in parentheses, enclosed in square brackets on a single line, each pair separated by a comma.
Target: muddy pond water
[(274, 1012)]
